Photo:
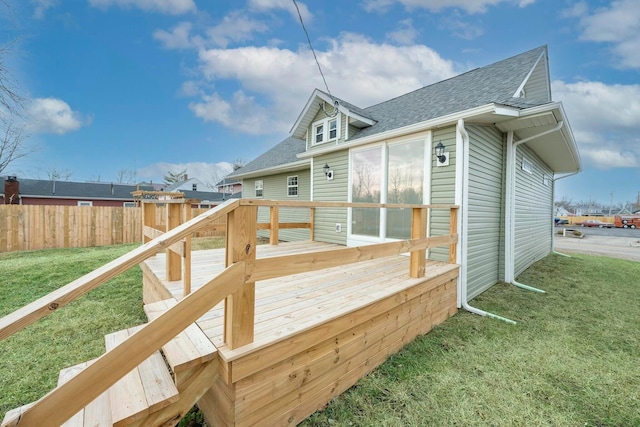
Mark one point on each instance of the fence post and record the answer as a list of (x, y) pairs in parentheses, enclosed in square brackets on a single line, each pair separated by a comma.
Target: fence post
[(239, 307), (148, 218), (453, 229), (274, 226), (417, 260)]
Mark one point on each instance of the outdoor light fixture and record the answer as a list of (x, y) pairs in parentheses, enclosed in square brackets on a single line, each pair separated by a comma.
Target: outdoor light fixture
[(441, 155), (327, 171), (439, 149)]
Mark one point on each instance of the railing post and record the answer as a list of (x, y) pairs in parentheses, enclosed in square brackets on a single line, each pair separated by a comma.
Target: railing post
[(453, 229), (174, 261), (148, 218), (275, 225), (312, 217), (239, 307), (418, 261), (186, 254)]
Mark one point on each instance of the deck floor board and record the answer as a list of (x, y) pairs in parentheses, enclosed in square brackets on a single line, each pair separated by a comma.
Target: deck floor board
[(291, 304)]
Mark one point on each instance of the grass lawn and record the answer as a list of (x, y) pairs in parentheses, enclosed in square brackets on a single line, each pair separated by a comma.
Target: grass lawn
[(572, 359)]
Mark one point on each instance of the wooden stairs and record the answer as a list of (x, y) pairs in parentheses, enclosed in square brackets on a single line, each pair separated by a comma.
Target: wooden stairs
[(159, 392)]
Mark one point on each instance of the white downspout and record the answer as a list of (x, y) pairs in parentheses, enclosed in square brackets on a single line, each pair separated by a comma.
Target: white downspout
[(553, 235), (462, 200), (510, 203)]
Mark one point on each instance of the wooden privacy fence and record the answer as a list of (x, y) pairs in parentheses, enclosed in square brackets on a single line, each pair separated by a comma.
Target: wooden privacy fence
[(32, 227)]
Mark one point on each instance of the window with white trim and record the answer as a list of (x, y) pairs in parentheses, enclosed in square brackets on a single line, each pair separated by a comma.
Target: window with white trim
[(326, 130), (526, 165), (85, 203), (129, 204), (194, 187), (259, 188), (292, 186)]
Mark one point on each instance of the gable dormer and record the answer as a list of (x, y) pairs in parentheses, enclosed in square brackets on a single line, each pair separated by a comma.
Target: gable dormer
[(328, 120), (536, 86)]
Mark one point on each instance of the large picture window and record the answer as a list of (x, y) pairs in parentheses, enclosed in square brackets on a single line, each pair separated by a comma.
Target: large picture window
[(389, 173)]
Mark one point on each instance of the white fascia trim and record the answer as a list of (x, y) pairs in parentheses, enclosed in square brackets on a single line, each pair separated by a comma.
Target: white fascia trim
[(304, 111), (83, 198), (416, 127), (274, 170)]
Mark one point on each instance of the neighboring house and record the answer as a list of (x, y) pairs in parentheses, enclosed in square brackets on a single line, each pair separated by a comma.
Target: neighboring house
[(189, 184), (503, 143), (67, 193), (229, 186)]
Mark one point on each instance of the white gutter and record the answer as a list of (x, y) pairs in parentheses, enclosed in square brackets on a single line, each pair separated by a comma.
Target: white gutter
[(273, 170), (416, 127), (462, 200), (510, 209)]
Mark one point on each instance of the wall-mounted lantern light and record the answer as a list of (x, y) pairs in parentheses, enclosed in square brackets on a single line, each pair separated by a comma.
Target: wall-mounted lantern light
[(327, 171), (441, 155)]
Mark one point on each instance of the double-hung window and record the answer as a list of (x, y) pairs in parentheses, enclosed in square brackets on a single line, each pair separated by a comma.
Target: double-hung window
[(292, 186), (259, 187), (326, 130)]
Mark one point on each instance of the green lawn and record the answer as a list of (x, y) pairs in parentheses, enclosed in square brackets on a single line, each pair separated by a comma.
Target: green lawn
[(571, 360)]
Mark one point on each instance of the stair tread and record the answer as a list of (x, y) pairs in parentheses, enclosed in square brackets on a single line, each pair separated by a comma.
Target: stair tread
[(96, 413), (142, 391), (189, 348)]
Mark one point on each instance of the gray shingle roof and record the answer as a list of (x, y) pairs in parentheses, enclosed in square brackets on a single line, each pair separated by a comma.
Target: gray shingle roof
[(495, 83), (281, 154)]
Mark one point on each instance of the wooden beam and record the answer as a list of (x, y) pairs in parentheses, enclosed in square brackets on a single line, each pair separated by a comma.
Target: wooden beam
[(273, 267), (239, 309), (148, 219), (453, 229), (174, 260), (312, 219), (274, 222), (418, 230), (186, 255)]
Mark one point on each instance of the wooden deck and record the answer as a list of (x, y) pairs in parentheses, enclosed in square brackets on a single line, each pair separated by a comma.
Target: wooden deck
[(316, 333)]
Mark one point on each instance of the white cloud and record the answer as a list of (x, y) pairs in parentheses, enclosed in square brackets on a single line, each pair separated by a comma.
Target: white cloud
[(171, 7), (462, 29), (52, 115), (604, 119), (207, 173), (405, 35), (470, 6), (266, 5), (235, 27), (618, 25), (41, 7), (275, 82), (178, 38)]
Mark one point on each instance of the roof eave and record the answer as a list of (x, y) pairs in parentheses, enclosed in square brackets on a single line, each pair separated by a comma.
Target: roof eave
[(287, 167)]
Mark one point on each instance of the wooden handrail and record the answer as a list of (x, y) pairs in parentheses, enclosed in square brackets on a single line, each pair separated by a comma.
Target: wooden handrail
[(44, 306), (64, 401)]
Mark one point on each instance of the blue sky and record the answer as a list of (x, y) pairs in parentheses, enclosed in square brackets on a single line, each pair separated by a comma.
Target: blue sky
[(153, 86)]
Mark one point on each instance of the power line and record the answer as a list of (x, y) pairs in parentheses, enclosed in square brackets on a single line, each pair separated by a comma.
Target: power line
[(312, 50)]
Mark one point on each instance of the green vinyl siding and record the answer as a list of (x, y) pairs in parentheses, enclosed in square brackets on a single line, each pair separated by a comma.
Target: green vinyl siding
[(443, 183), (275, 188), (335, 190), (485, 208), (533, 210), (537, 86)]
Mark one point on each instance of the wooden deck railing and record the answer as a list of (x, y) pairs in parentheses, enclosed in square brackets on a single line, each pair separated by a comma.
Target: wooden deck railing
[(235, 285)]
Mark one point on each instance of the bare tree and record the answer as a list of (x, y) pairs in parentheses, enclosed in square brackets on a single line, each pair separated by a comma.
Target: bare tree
[(55, 174), (126, 176), (12, 144), (173, 177), (238, 163)]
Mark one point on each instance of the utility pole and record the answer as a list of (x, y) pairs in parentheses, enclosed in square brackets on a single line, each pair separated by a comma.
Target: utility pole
[(611, 203)]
